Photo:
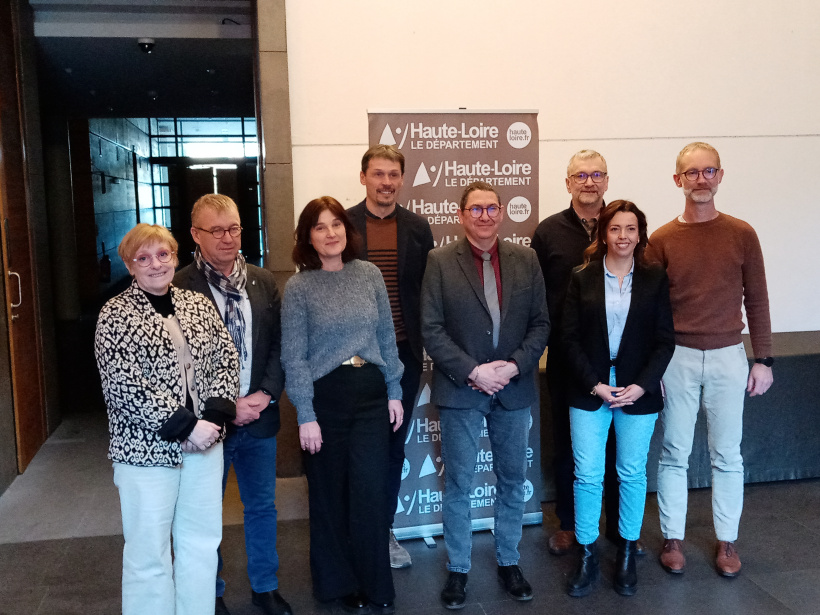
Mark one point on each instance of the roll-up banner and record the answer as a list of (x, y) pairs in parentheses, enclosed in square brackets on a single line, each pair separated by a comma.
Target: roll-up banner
[(444, 152)]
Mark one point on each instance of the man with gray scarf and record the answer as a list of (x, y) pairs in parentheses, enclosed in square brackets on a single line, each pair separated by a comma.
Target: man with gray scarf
[(248, 300)]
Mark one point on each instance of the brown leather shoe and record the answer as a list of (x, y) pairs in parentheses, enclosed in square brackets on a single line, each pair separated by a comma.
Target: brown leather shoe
[(672, 558), (727, 560), (561, 542)]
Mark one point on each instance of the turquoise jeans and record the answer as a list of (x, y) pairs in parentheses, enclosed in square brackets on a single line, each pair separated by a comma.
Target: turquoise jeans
[(633, 433)]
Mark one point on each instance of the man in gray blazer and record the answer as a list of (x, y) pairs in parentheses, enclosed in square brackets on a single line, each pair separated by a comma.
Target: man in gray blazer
[(485, 325), (248, 300)]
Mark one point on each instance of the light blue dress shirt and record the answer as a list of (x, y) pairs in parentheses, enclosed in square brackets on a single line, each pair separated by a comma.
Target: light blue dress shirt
[(618, 299)]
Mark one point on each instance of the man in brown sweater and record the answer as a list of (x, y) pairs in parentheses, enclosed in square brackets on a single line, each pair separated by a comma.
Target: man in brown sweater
[(397, 241), (715, 267)]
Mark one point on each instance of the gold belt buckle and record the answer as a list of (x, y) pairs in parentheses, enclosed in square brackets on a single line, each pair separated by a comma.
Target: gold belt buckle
[(357, 361)]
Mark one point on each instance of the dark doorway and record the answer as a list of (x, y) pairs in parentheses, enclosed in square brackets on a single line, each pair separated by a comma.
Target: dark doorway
[(183, 180)]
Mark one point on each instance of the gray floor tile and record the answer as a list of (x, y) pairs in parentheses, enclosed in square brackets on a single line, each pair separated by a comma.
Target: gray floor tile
[(21, 601), (797, 589), (26, 565), (81, 597)]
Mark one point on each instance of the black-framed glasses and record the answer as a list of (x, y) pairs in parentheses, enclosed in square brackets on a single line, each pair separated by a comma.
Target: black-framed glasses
[(477, 210), (708, 173), (146, 260), (219, 233), (595, 176)]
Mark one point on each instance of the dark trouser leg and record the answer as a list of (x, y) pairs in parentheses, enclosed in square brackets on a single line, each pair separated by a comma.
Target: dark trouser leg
[(563, 463), (347, 480), (327, 474), (409, 388), (611, 486), (368, 482)]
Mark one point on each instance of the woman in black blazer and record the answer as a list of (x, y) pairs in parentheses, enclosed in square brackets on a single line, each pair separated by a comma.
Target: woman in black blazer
[(619, 338)]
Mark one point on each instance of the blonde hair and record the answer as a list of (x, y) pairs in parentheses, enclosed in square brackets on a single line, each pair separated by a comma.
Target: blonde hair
[(216, 202), (584, 154), (144, 235), (691, 148)]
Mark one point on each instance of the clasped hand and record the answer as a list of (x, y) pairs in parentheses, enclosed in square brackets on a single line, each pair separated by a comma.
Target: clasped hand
[(617, 397), (491, 377), (249, 408), (202, 437)]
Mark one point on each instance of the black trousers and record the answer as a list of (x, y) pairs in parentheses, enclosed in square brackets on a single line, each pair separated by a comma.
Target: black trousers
[(563, 462), (409, 390), (347, 479)]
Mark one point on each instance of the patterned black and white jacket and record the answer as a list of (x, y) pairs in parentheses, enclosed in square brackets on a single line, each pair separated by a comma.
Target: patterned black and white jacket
[(140, 372)]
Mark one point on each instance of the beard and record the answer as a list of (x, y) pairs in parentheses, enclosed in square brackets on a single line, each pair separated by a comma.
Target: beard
[(700, 195), (589, 198)]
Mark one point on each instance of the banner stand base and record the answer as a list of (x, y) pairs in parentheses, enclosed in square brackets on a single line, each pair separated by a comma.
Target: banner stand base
[(437, 529)]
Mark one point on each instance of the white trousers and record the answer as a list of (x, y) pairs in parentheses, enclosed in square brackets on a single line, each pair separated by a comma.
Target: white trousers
[(715, 380), (158, 504)]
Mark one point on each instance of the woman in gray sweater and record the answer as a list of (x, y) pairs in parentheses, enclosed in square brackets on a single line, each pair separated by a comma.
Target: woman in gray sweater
[(342, 373)]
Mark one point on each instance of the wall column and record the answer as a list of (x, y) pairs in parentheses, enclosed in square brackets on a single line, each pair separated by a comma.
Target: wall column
[(273, 99)]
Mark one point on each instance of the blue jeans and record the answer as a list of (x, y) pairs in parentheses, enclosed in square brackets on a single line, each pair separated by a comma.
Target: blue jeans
[(254, 461), (633, 433), (509, 433)]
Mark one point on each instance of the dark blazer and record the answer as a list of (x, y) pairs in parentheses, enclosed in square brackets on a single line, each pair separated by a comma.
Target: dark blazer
[(266, 332), (458, 330), (415, 240), (140, 371), (647, 344)]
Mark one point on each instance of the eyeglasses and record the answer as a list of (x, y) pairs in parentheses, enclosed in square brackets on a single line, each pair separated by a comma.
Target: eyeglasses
[(146, 260), (219, 233), (595, 176), (708, 173), (477, 210)]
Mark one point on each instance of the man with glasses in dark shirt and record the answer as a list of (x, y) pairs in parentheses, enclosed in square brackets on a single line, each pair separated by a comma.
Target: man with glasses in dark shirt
[(485, 325), (560, 241)]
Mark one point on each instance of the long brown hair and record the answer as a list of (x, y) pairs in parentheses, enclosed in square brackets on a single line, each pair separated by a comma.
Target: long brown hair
[(597, 250), (304, 255)]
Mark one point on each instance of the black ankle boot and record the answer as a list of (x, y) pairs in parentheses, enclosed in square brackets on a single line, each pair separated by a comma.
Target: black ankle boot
[(581, 582), (626, 576)]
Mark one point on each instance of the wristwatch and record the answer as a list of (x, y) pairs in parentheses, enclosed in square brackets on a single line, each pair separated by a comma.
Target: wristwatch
[(269, 394), (767, 361)]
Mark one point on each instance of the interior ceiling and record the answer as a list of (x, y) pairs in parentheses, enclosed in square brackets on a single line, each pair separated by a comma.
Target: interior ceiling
[(112, 77), (90, 64)]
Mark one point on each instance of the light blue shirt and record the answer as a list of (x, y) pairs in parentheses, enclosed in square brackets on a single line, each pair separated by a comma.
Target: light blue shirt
[(618, 298)]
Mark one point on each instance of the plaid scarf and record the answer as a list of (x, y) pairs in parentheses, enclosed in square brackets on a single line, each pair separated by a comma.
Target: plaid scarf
[(231, 288)]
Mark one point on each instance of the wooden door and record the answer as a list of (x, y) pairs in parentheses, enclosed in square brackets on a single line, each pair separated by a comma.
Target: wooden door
[(21, 310), (31, 428)]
